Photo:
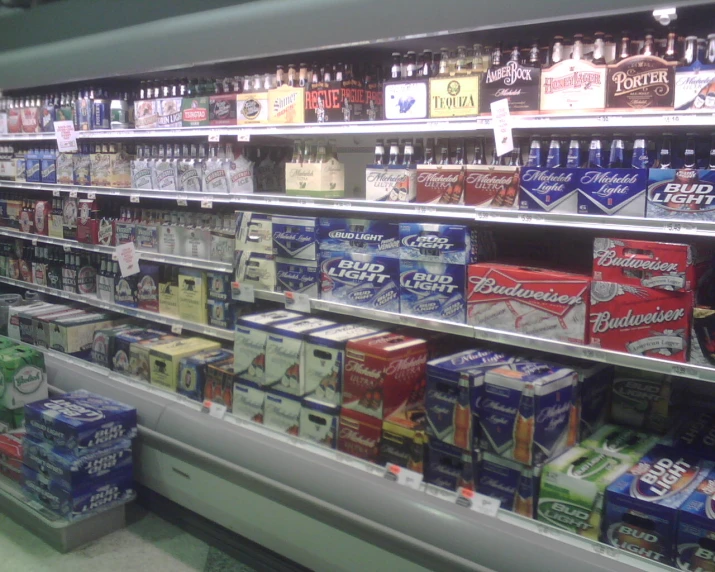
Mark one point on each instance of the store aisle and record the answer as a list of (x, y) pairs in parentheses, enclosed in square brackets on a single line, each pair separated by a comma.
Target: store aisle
[(148, 543)]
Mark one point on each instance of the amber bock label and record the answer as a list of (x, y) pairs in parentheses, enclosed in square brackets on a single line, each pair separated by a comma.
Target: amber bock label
[(454, 97), (573, 85), (641, 82)]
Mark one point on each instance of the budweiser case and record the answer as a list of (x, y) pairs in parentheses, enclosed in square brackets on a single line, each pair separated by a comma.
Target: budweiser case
[(390, 184), (643, 321), (548, 190), (641, 82), (695, 88), (383, 373), (492, 186), (573, 85), (443, 184), (610, 192), (515, 82), (532, 301), (359, 236), (660, 265), (687, 194)]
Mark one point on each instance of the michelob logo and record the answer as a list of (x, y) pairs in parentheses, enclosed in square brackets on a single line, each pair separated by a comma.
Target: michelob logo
[(509, 74), (564, 514), (665, 478)]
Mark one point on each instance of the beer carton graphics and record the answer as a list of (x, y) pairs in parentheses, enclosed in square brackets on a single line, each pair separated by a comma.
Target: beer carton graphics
[(660, 265), (404, 440), (621, 442), (71, 471), (573, 487), (359, 235), (695, 88), (454, 96), (195, 111), (448, 466), (360, 280), (642, 504), (611, 192), (696, 529), (452, 243), (193, 371), (78, 502), (531, 301), (104, 343), (443, 184), (294, 237), (573, 85), (384, 373), (390, 184), (641, 83), (325, 359), (526, 411), (139, 355), (515, 82), (405, 99), (686, 194), (165, 360), (248, 401), (254, 233), (22, 376), (549, 190), (256, 269), (251, 335), (359, 435), (285, 354), (282, 412), (219, 382), (643, 400), (492, 186), (123, 342), (192, 295), (433, 290), (286, 105), (515, 485), (80, 421), (642, 321), (297, 276), (319, 423)]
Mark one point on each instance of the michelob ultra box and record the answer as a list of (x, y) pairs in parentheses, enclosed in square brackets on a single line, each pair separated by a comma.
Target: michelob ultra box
[(433, 290), (573, 487), (249, 401), (80, 421), (23, 376), (549, 190), (696, 528), (294, 275), (611, 192), (294, 237), (282, 412), (622, 442), (449, 467), (71, 471), (642, 505), (515, 485), (319, 423), (193, 371), (527, 412), (165, 360), (254, 233), (686, 194), (285, 353), (365, 280), (643, 400), (251, 335), (359, 236)]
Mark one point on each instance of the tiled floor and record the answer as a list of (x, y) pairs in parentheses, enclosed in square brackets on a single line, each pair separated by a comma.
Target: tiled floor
[(149, 543)]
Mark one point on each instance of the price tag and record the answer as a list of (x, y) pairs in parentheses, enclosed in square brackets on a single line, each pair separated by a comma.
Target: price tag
[(478, 502), (73, 194), (217, 410), (128, 259), (177, 329), (243, 137), (403, 476), (66, 137), (214, 137), (297, 301), (133, 198), (55, 193), (181, 202), (502, 124), (91, 196), (206, 204), (243, 292)]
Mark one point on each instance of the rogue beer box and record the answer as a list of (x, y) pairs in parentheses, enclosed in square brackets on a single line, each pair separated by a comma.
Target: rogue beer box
[(286, 105), (696, 528), (406, 99), (360, 280), (326, 180), (443, 184), (694, 87), (449, 467), (433, 290), (359, 435), (282, 412), (359, 236), (80, 421), (294, 237), (549, 190), (641, 83), (621, 442), (572, 488), (531, 301), (642, 504), (492, 186), (195, 111), (515, 485), (165, 359), (454, 96), (573, 85), (642, 321), (325, 359), (686, 194), (515, 82), (611, 192), (383, 373), (403, 440), (526, 412), (452, 243), (248, 401), (24, 379), (193, 371), (297, 276), (254, 233), (319, 423), (644, 400), (390, 183), (661, 265), (252, 108)]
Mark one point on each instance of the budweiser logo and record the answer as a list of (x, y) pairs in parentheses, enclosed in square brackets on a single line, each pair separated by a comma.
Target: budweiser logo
[(610, 258), (509, 73), (603, 322), (437, 180), (355, 437)]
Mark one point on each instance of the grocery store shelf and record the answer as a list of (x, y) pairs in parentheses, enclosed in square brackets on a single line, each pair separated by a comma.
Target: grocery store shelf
[(155, 317)]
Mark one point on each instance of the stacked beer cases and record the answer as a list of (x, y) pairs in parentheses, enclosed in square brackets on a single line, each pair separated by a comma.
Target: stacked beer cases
[(78, 453)]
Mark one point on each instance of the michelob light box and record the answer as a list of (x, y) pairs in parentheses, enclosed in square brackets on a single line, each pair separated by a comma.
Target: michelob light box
[(549, 190), (252, 108), (492, 186), (406, 99), (390, 183), (80, 421), (513, 81), (286, 105), (686, 194), (515, 485), (454, 96), (23, 376), (573, 85), (326, 180), (164, 360), (620, 192), (696, 528), (641, 83), (695, 88), (572, 489)]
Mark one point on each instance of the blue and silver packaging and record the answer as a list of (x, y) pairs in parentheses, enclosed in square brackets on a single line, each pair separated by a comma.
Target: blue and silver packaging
[(359, 235), (295, 237)]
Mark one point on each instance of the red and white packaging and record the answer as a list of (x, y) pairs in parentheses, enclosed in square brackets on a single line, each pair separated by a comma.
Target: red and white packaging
[(443, 184), (382, 373), (642, 321), (661, 265), (359, 435), (492, 186), (533, 301)]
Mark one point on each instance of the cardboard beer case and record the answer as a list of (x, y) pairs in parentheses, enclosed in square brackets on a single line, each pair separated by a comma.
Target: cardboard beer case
[(641, 83)]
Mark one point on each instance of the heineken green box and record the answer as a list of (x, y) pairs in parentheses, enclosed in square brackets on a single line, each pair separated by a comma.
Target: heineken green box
[(623, 442), (572, 489), (23, 377)]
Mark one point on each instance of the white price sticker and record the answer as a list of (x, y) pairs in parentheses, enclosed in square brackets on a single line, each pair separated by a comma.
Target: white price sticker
[(73, 194), (217, 410), (181, 202), (134, 198), (478, 502), (66, 137), (177, 329), (128, 259), (297, 301), (206, 204), (91, 196), (55, 193), (243, 292), (502, 124), (402, 476), (214, 137)]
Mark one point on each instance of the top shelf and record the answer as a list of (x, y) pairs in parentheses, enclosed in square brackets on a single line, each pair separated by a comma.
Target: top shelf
[(456, 125)]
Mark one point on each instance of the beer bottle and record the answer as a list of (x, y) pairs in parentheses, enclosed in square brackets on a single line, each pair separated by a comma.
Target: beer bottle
[(624, 47), (429, 152), (408, 155), (573, 157), (524, 426), (599, 49), (557, 50), (595, 160), (497, 56), (380, 152), (639, 159), (689, 157), (670, 49), (443, 151), (711, 161), (648, 46), (665, 156), (394, 153), (535, 54), (426, 63), (577, 53), (396, 69), (534, 159), (690, 51), (479, 154), (515, 55), (615, 158), (710, 51), (553, 158)]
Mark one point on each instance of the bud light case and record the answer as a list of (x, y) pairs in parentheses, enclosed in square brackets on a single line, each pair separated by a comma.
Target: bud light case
[(319, 423), (695, 545), (80, 421), (549, 190), (515, 485), (433, 290), (363, 280), (70, 471), (687, 194), (449, 467), (642, 505), (360, 236), (294, 275), (294, 237), (620, 192)]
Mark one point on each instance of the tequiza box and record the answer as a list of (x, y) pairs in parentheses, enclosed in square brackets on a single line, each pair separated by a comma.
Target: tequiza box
[(359, 235), (642, 504), (192, 371), (360, 280), (696, 528), (294, 237), (514, 484), (433, 290), (80, 420)]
